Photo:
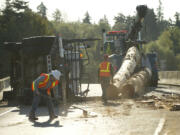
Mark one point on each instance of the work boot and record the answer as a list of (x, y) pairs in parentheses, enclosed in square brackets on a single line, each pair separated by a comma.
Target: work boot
[(32, 117), (52, 117)]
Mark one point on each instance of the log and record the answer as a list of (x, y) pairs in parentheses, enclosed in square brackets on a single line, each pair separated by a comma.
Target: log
[(137, 84), (127, 68)]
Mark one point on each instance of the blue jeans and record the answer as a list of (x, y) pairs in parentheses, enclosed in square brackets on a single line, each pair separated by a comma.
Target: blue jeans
[(36, 100)]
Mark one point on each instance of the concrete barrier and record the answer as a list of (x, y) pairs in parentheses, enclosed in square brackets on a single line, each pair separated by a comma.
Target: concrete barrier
[(4, 83), (169, 77)]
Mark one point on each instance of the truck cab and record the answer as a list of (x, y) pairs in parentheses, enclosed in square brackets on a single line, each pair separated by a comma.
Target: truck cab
[(114, 46), (114, 42)]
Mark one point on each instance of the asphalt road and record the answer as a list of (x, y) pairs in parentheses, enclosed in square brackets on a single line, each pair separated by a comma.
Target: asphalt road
[(147, 115)]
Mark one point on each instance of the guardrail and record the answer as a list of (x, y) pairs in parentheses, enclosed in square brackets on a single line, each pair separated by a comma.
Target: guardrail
[(169, 77), (4, 83)]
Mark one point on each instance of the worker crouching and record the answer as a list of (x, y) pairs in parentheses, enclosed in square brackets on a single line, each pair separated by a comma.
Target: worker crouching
[(105, 74), (42, 86)]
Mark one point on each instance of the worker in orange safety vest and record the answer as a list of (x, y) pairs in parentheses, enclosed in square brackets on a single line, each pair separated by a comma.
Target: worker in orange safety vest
[(43, 86), (105, 74)]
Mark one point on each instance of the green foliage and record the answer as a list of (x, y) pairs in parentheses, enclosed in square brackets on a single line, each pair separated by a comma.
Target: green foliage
[(73, 30), (150, 29), (103, 24), (18, 21), (175, 37), (177, 17), (20, 5), (178, 61), (57, 17), (120, 22), (160, 12), (42, 10), (87, 18), (168, 48), (79, 30)]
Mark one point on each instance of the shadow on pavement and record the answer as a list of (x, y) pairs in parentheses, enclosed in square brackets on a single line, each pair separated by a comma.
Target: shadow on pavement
[(47, 124), (60, 110)]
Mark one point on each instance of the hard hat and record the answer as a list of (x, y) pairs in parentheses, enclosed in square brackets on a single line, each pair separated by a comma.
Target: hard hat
[(106, 56), (56, 74)]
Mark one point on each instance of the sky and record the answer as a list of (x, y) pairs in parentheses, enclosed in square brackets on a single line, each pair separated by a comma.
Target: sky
[(74, 10)]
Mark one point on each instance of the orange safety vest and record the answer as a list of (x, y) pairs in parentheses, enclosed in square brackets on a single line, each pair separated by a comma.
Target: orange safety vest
[(104, 69), (44, 83)]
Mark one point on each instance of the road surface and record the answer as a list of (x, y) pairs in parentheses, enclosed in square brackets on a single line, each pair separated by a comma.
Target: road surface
[(147, 115)]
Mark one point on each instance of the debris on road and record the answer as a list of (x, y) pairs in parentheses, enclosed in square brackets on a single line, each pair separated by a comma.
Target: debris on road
[(175, 107), (85, 113), (168, 102)]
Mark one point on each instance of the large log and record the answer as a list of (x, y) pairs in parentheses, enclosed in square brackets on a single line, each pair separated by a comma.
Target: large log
[(126, 70), (137, 84), (128, 66)]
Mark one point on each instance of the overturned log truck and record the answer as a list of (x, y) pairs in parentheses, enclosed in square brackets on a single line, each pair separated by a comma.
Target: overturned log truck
[(41, 54), (133, 70)]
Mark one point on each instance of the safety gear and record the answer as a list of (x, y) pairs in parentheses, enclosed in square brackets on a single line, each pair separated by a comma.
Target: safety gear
[(32, 117), (44, 83), (52, 117), (52, 86), (104, 69), (56, 74), (105, 56)]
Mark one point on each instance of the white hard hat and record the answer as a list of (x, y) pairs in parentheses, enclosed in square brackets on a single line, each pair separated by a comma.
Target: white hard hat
[(56, 74)]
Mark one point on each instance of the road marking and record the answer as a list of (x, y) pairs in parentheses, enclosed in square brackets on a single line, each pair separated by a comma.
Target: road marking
[(160, 126), (8, 111)]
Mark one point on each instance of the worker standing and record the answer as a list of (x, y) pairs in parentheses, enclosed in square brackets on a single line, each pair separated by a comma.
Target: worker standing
[(105, 74), (43, 86)]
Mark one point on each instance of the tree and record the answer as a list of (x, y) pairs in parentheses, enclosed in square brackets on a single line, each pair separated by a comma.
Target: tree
[(161, 23), (20, 5), (18, 21), (8, 4), (177, 15), (57, 16), (104, 24), (150, 29), (42, 10), (174, 36), (87, 18), (122, 22), (168, 48), (104, 20), (160, 12)]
